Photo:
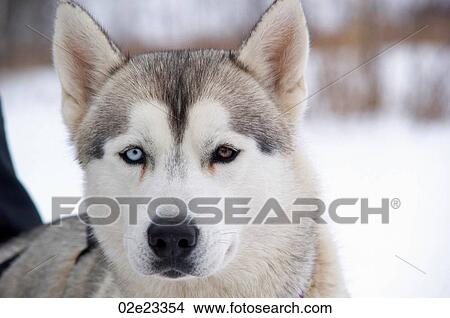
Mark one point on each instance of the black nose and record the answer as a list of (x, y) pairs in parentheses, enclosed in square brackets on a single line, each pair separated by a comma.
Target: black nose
[(172, 241)]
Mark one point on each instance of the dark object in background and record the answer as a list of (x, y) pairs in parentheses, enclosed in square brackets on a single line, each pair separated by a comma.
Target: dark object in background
[(17, 211)]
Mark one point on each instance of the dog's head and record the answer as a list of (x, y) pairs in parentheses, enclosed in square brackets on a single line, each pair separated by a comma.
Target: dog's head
[(209, 124)]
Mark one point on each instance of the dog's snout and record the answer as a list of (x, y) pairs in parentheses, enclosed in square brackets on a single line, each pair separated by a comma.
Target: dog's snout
[(172, 241)]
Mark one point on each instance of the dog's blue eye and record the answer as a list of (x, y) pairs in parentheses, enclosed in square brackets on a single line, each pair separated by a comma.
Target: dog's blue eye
[(133, 156)]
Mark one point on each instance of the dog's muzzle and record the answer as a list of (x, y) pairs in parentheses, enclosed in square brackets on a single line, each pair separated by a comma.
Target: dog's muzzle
[(172, 244)]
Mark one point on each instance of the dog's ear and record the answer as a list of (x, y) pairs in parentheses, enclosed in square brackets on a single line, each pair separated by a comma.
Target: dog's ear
[(83, 56), (276, 53)]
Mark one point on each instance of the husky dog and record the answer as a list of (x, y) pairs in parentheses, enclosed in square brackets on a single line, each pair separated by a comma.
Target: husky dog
[(181, 124)]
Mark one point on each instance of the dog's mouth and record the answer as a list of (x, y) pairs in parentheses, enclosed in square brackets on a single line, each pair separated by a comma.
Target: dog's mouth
[(170, 269), (172, 274)]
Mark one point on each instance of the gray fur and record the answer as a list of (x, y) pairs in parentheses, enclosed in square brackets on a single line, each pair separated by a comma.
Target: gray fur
[(178, 79), (53, 261)]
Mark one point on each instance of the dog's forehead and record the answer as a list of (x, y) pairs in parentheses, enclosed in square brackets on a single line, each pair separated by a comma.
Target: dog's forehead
[(179, 80)]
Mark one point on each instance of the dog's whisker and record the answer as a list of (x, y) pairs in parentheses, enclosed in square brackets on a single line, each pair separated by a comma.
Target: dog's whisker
[(226, 231), (227, 242)]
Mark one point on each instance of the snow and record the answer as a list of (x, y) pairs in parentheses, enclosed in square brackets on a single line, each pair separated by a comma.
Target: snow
[(37, 137), (380, 157), (389, 158)]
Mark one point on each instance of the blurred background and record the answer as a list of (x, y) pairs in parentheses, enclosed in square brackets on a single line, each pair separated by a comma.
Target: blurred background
[(378, 124)]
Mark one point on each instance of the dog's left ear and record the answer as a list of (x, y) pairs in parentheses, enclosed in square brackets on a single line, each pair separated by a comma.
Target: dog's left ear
[(276, 53)]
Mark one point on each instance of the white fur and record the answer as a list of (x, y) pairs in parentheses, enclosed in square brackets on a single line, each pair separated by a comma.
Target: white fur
[(231, 261), (260, 270)]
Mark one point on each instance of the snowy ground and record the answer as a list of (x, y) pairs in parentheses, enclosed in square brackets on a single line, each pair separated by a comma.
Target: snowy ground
[(373, 158)]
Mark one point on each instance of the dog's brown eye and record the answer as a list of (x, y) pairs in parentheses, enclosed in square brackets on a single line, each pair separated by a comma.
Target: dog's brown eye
[(224, 154)]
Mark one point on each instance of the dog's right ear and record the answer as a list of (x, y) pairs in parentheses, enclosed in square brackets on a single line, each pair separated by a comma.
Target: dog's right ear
[(276, 53), (83, 56)]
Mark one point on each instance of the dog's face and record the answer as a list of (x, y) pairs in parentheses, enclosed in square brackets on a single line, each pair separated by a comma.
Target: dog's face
[(180, 126)]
